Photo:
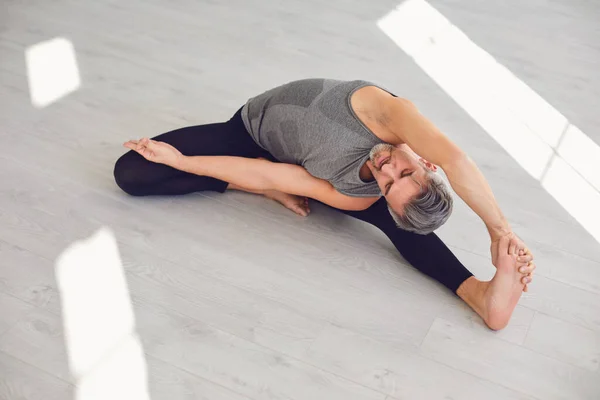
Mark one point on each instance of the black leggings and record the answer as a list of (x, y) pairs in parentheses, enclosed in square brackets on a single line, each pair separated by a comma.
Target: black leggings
[(139, 177)]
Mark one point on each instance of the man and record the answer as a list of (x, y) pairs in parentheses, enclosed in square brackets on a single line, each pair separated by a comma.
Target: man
[(344, 144)]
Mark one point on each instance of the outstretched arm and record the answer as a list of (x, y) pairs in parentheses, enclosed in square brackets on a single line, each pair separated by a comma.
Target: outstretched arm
[(252, 174), (466, 179), (408, 125)]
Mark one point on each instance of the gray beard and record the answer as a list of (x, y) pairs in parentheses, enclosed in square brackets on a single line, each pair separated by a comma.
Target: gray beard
[(379, 148)]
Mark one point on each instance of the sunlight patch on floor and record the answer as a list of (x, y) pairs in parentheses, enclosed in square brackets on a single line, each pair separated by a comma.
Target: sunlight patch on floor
[(106, 358), (52, 71)]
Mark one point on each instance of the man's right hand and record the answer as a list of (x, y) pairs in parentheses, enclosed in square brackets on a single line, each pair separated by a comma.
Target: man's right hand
[(155, 151)]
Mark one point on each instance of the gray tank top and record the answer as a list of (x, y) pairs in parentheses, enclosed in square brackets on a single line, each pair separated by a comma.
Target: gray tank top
[(311, 123)]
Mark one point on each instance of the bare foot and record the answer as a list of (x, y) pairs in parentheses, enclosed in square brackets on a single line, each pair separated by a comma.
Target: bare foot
[(297, 204), (502, 293)]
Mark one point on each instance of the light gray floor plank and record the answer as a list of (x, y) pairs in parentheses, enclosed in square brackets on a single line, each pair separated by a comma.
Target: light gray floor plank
[(398, 372), (11, 310), (167, 382), (28, 277), (564, 302), (37, 339), (225, 307), (250, 369), (504, 363), (563, 341), (21, 381)]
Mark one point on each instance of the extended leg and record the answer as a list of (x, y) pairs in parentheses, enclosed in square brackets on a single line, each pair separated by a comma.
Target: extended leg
[(427, 253), (494, 301)]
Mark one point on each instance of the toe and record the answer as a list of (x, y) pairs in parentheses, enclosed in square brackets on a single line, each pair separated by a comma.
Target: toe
[(299, 210)]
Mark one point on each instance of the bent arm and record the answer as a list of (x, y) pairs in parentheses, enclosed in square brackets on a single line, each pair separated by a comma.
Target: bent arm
[(258, 175), (466, 179)]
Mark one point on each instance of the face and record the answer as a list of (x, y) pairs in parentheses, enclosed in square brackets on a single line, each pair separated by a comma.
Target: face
[(399, 174)]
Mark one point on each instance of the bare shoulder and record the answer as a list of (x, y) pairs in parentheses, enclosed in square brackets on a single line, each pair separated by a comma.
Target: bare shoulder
[(379, 111), (375, 99), (380, 107)]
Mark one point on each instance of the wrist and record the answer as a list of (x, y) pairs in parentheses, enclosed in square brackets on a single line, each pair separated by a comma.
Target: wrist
[(180, 162), (496, 232)]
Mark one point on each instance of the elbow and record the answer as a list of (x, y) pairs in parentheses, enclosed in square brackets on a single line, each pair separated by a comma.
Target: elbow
[(361, 207), (455, 160), (360, 204)]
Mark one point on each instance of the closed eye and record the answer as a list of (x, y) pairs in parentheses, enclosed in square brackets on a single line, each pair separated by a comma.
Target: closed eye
[(406, 172), (387, 188)]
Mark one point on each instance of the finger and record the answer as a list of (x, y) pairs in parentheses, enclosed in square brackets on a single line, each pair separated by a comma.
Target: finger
[(526, 288), (135, 147), (147, 153), (307, 206), (525, 259), (527, 269), (144, 152), (300, 211), (527, 279), (532, 267), (149, 146)]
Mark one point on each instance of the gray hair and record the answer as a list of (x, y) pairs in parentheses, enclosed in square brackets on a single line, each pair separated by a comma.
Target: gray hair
[(430, 210)]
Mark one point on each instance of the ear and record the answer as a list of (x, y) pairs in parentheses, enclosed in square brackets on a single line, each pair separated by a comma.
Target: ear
[(428, 165)]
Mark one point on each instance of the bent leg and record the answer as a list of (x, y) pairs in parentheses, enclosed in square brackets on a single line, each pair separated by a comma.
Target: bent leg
[(140, 177)]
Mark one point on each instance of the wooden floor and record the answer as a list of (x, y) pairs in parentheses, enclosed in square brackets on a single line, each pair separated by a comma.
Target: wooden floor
[(234, 297)]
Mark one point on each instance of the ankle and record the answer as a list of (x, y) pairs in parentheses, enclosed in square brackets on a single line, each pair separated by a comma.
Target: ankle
[(478, 295), (473, 292)]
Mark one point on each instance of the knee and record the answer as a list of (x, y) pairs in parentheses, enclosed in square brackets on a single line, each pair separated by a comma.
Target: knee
[(127, 176)]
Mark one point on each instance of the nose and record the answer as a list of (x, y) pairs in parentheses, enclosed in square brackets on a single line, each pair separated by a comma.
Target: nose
[(387, 169)]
